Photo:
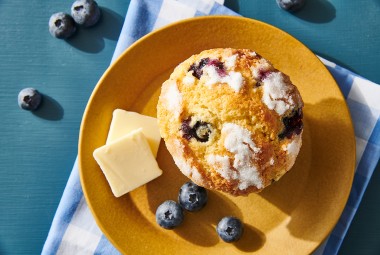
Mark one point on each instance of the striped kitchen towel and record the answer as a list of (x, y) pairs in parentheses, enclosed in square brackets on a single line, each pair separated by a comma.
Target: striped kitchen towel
[(74, 231)]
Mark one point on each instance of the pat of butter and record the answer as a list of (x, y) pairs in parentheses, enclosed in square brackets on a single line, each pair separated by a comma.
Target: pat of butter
[(124, 122), (127, 163)]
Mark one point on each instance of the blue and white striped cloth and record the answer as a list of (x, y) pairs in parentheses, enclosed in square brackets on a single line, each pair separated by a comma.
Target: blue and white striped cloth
[(74, 230)]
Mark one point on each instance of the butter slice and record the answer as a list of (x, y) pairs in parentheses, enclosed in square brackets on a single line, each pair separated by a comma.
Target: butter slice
[(124, 122), (127, 163)]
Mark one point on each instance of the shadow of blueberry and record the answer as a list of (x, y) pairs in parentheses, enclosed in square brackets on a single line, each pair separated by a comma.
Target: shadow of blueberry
[(317, 11), (91, 39), (251, 240), (49, 109), (199, 227)]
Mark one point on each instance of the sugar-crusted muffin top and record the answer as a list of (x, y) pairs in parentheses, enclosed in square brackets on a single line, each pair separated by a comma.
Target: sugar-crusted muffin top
[(231, 121)]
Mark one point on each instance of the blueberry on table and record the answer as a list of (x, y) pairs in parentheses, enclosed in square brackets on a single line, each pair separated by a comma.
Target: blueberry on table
[(291, 5), (230, 229), (192, 197), (29, 99), (85, 12), (61, 25), (169, 214)]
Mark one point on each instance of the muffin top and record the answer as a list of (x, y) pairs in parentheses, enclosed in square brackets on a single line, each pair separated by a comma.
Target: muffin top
[(231, 121)]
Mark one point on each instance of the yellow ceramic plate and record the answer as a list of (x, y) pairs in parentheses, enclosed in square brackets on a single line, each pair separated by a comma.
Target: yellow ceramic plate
[(293, 216)]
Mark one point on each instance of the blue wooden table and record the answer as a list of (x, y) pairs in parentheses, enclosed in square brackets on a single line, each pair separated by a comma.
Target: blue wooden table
[(38, 149)]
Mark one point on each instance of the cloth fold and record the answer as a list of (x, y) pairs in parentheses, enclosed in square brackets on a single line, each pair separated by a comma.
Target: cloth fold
[(74, 231)]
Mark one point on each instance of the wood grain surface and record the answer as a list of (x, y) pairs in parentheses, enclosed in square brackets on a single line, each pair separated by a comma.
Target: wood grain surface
[(38, 149)]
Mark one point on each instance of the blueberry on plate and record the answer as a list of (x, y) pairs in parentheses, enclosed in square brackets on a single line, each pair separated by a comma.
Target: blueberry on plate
[(85, 12), (192, 197), (61, 25), (169, 214), (29, 99), (291, 5), (230, 229)]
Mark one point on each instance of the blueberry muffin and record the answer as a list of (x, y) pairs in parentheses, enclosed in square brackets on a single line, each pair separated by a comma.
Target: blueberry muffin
[(231, 121)]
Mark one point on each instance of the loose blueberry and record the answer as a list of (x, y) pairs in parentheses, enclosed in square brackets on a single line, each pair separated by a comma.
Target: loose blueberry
[(230, 229), (200, 131), (293, 124), (192, 197), (169, 214), (61, 25), (29, 99), (291, 5), (85, 12)]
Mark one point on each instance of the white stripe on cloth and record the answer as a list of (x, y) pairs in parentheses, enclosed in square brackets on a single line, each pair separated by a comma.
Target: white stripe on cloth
[(365, 117), (360, 147), (366, 92), (82, 234), (172, 11), (327, 62), (204, 6)]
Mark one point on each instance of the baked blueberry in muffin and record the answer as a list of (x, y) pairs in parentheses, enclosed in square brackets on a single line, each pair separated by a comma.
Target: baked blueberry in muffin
[(231, 121)]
